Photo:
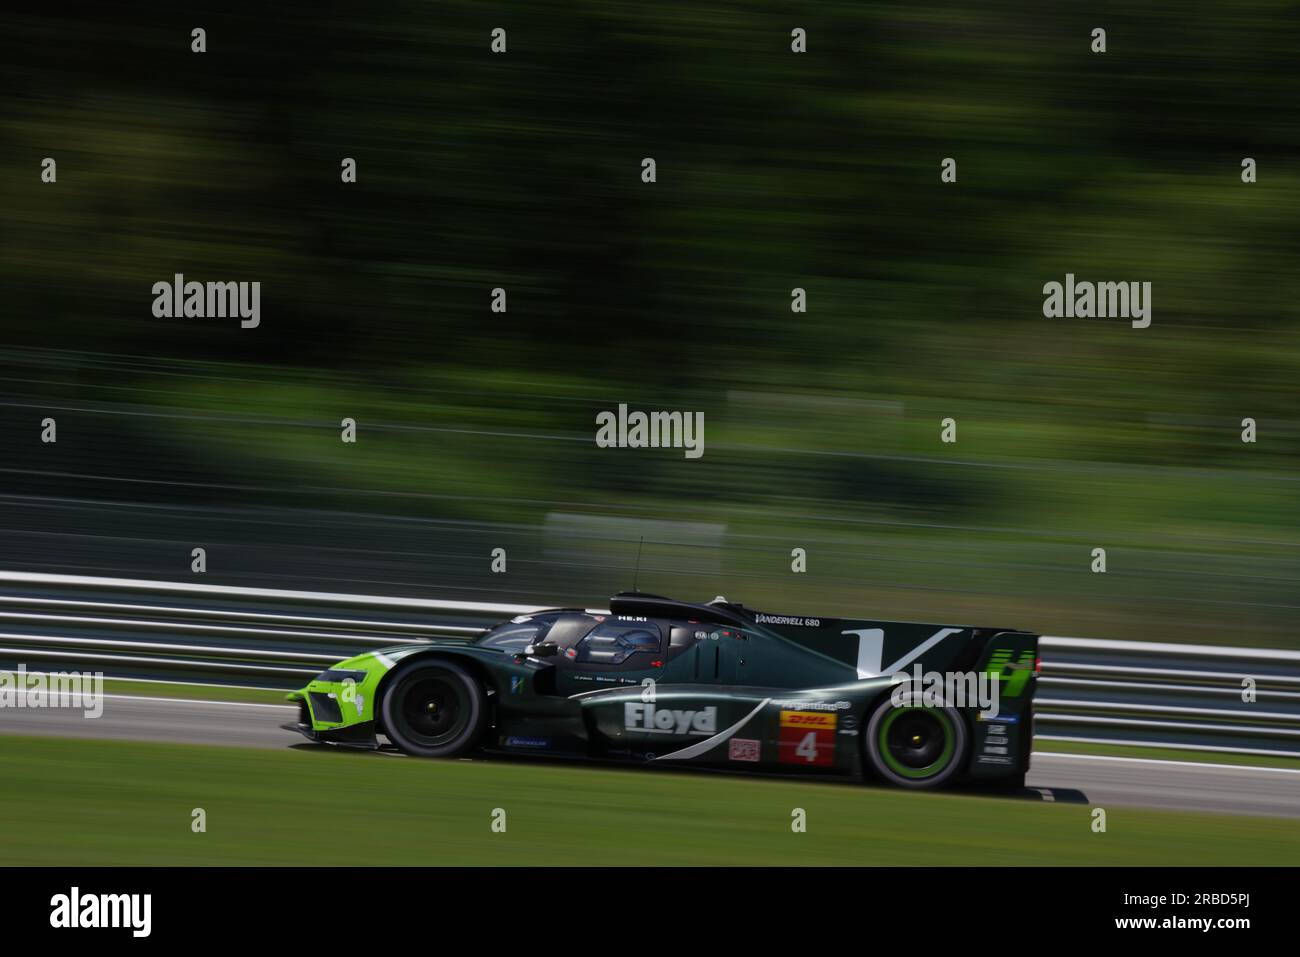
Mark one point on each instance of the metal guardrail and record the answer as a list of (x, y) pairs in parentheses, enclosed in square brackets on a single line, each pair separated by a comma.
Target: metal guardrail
[(1113, 692), (211, 634), (1198, 697)]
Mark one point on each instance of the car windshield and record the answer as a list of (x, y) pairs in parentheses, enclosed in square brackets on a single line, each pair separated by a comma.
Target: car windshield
[(517, 634)]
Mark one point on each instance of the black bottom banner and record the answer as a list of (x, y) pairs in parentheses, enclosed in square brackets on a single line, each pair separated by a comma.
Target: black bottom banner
[(1005, 906)]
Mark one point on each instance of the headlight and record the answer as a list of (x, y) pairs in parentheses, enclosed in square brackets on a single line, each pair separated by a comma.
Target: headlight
[(339, 674)]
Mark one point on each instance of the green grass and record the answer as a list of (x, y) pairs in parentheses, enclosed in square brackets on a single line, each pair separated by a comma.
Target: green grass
[(79, 802), (1166, 754)]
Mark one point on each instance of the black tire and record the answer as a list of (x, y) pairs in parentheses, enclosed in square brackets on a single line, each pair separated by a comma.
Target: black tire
[(915, 746), (434, 709)]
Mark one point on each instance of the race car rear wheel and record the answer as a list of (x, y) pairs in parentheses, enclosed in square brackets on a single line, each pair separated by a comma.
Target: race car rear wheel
[(434, 709), (914, 745)]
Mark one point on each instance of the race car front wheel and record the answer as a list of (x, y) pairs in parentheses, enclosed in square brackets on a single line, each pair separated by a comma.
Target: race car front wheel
[(434, 709), (916, 746)]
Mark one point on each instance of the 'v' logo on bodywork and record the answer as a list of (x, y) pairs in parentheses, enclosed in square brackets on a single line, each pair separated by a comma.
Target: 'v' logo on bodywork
[(871, 649)]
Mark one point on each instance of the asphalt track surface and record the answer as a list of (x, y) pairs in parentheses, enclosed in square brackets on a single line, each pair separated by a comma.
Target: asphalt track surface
[(1074, 778)]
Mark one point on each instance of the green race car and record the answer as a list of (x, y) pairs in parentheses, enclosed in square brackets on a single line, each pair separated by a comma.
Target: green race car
[(659, 681)]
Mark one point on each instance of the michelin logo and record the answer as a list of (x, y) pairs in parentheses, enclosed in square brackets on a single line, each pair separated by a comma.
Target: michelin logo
[(646, 717)]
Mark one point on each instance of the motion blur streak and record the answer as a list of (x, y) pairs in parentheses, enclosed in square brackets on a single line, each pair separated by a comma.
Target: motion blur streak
[(776, 171)]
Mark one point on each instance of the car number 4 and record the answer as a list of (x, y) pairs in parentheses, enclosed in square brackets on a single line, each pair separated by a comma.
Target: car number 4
[(807, 748)]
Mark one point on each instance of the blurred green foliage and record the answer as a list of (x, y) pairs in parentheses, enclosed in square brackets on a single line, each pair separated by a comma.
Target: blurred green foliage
[(775, 171)]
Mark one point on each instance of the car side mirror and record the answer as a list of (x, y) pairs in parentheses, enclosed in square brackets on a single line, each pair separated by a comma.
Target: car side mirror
[(547, 649)]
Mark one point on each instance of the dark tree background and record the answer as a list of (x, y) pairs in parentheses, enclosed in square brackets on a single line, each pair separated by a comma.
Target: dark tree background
[(775, 171)]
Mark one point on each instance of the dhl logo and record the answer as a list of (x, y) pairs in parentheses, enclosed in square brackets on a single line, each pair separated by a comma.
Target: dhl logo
[(807, 719)]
